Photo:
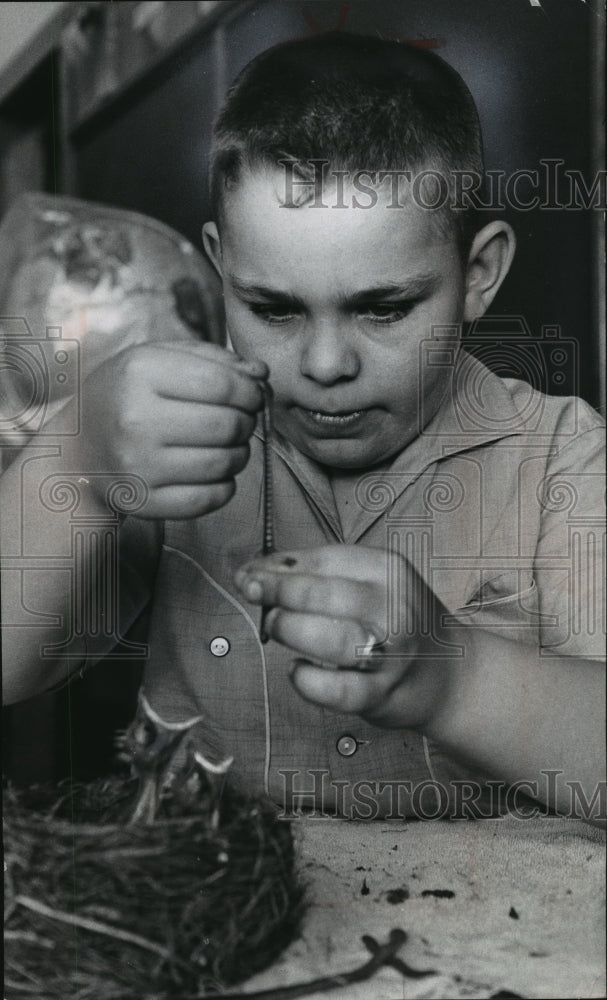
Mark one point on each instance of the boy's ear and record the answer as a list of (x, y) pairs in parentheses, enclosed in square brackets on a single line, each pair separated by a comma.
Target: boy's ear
[(489, 261), (212, 246)]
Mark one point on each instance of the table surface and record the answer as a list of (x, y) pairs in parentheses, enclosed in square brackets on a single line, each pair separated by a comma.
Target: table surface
[(527, 915)]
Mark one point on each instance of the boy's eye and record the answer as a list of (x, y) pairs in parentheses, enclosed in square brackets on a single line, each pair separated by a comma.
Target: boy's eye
[(386, 312), (272, 313)]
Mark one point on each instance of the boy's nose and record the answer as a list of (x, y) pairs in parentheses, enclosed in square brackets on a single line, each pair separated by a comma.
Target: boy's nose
[(328, 354)]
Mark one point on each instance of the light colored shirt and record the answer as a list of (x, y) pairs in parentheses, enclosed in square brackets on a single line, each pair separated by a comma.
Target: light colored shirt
[(497, 503)]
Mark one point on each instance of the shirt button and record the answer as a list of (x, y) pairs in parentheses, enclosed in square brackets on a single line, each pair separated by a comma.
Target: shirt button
[(219, 646), (346, 746)]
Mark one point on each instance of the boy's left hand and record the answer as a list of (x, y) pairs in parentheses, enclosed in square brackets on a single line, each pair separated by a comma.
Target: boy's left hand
[(332, 605)]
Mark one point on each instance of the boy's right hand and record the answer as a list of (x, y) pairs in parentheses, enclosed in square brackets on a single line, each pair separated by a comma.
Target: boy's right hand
[(179, 416)]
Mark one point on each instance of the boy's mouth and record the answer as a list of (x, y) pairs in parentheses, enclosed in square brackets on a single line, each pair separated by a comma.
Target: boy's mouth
[(324, 420)]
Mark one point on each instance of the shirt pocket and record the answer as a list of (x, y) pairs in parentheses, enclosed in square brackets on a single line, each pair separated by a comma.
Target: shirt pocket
[(508, 604)]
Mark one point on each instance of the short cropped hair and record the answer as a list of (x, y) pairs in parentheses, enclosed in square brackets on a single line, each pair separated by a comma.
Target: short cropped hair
[(360, 103)]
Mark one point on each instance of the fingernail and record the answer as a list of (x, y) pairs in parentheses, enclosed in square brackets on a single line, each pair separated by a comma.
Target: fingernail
[(255, 368), (253, 590)]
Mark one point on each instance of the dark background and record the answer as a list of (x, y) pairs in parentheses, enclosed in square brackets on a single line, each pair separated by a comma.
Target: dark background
[(528, 69), (143, 142)]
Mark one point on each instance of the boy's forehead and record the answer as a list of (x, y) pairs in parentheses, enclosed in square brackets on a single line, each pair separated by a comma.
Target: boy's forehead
[(265, 206)]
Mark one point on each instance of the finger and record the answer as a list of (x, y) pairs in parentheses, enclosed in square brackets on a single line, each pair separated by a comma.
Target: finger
[(347, 561), (314, 594), (336, 640), (185, 375), (213, 352), (180, 502), (342, 690), (186, 466), (202, 425), (207, 382)]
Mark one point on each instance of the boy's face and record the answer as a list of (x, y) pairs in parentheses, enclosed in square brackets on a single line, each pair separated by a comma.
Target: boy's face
[(337, 302)]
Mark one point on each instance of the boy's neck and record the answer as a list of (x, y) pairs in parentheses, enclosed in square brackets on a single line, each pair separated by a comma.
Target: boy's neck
[(343, 484)]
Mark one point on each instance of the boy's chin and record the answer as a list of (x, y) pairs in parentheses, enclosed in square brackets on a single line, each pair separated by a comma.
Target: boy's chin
[(341, 455)]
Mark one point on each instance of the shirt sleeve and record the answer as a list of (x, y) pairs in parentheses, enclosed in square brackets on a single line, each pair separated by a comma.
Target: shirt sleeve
[(570, 553), (128, 591)]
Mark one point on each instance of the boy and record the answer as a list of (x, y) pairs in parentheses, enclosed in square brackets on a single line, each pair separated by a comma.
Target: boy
[(432, 606)]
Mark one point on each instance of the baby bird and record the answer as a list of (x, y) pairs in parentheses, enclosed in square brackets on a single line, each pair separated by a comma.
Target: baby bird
[(199, 785), (150, 745)]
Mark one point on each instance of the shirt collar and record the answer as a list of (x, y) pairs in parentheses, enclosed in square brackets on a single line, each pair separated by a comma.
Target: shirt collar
[(477, 408)]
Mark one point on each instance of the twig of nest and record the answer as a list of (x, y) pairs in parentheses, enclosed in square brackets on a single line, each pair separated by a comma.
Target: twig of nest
[(135, 888)]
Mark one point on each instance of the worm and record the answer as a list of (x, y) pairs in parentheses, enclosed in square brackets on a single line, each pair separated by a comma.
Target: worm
[(268, 495)]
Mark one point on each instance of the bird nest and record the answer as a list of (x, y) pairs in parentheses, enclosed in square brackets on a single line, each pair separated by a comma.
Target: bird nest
[(128, 888)]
